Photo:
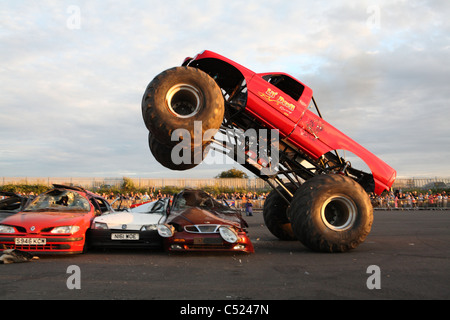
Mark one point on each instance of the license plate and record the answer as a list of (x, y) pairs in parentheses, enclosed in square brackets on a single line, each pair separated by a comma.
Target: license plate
[(207, 241), (30, 241), (124, 236)]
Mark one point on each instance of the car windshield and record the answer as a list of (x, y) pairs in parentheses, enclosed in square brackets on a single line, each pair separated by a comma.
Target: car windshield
[(60, 201), (200, 199), (158, 207)]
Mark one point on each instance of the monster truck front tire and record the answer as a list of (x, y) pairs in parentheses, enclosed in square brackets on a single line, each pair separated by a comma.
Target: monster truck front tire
[(178, 97), (331, 213), (274, 213)]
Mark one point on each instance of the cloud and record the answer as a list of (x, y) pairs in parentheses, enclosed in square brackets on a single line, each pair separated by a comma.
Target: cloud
[(70, 102)]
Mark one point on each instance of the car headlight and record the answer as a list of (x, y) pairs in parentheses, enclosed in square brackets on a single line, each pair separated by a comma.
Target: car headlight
[(100, 226), (228, 234), (65, 229), (7, 229), (165, 230), (150, 227)]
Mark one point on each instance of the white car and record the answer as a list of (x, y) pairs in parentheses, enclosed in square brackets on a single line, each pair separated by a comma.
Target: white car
[(136, 227)]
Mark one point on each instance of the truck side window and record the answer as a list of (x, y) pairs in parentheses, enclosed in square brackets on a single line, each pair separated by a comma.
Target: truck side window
[(285, 83)]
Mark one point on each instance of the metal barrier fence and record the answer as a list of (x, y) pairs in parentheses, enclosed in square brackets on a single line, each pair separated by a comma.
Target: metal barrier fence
[(251, 184), (422, 183)]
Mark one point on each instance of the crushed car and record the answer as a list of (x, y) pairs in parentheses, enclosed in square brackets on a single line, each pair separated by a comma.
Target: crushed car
[(130, 228), (55, 222), (198, 222), (11, 203)]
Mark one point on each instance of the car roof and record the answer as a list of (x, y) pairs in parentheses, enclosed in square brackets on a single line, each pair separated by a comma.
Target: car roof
[(61, 186), (76, 188), (10, 194)]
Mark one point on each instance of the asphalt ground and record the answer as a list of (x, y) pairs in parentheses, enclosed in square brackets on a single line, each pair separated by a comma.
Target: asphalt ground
[(406, 256)]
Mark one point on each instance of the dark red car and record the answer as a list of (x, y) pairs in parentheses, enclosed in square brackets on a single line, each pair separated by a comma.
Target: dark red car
[(197, 222)]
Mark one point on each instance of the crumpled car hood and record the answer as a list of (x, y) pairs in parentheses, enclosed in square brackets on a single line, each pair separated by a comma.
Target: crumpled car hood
[(195, 215)]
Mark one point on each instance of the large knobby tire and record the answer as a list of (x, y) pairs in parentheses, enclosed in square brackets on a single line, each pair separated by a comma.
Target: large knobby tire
[(163, 154), (178, 97), (274, 213), (331, 213)]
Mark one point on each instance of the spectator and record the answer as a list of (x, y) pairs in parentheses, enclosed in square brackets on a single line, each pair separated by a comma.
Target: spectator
[(248, 208)]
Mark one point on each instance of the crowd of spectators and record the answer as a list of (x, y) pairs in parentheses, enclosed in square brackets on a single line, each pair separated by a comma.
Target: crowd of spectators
[(233, 198), (242, 196), (157, 194), (388, 200), (135, 196), (411, 200)]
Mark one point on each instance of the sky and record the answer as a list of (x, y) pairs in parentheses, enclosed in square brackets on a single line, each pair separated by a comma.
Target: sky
[(73, 74)]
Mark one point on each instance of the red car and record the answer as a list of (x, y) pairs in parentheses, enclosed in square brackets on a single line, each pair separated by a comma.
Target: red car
[(197, 222), (54, 222)]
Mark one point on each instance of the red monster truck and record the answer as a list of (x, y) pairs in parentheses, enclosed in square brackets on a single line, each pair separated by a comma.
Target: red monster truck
[(317, 197)]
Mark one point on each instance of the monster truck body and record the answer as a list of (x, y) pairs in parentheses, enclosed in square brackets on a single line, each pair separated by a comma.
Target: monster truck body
[(315, 190)]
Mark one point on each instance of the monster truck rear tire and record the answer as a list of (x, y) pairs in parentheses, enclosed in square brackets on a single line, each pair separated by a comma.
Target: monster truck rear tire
[(274, 213), (331, 213), (163, 154), (178, 97)]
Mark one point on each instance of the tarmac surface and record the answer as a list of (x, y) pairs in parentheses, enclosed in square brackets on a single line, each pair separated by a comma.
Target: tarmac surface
[(406, 256)]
